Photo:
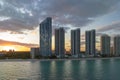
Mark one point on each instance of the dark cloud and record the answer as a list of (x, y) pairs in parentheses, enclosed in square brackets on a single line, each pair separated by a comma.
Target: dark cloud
[(5, 42), (27, 14), (78, 12), (115, 26), (99, 34), (14, 25)]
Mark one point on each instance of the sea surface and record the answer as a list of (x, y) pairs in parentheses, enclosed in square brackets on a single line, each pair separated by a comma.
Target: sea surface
[(97, 69)]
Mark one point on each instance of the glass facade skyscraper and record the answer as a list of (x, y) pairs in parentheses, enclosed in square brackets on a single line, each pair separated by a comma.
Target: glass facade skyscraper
[(46, 37)]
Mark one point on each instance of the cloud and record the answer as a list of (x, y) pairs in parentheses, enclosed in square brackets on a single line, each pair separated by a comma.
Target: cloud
[(5, 42), (20, 15), (77, 13), (115, 26), (14, 25)]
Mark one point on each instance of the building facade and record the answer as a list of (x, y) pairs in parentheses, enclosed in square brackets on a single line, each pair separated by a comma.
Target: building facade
[(105, 45), (75, 43), (34, 52), (117, 45), (90, 37), (88, 42), (60, 42), (46, 37)]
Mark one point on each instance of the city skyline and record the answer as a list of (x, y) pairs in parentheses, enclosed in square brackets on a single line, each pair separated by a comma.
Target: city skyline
[(45, 49), (59, 39), (19, 20)]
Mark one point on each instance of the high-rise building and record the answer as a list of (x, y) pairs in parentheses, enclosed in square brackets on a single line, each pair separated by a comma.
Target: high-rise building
[(60, 42), (93, 42), (90, 42), (46, 37), (117, 45), (105, 45), (75, 42)]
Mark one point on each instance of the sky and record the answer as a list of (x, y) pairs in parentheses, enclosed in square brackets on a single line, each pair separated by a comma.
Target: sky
[(20, 19)]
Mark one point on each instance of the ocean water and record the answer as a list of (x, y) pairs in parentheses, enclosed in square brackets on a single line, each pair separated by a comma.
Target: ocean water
[(98, 69)]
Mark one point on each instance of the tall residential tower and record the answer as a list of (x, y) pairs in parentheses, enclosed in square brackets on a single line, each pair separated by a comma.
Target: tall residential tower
[(60, 42), (75, 42), (91, 42), (117, 45), (105, 45), (46, 37)]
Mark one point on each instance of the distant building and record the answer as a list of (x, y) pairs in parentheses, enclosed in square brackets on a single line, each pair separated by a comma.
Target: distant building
[(91, 42), (34, 52), (117, 45), (75, 42), (105, 45), (46, 37), (60, 42)]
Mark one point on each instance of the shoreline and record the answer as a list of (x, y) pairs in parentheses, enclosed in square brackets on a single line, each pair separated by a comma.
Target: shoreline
[(7, 60)]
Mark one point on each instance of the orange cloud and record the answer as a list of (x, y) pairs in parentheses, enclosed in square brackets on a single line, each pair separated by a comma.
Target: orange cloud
[(8, 43)]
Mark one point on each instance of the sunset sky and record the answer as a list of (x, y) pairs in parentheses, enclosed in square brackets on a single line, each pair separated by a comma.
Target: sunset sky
[(19, 20)]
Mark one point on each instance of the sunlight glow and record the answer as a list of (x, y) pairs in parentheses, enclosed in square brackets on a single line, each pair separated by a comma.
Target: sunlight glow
[(7, 48)]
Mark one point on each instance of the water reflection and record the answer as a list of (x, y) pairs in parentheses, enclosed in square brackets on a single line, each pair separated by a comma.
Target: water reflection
[(67, 69), (53, 67), (14, 70), (107, 69), (83, 70), (53, 70), (98, 69), (45, 69)]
